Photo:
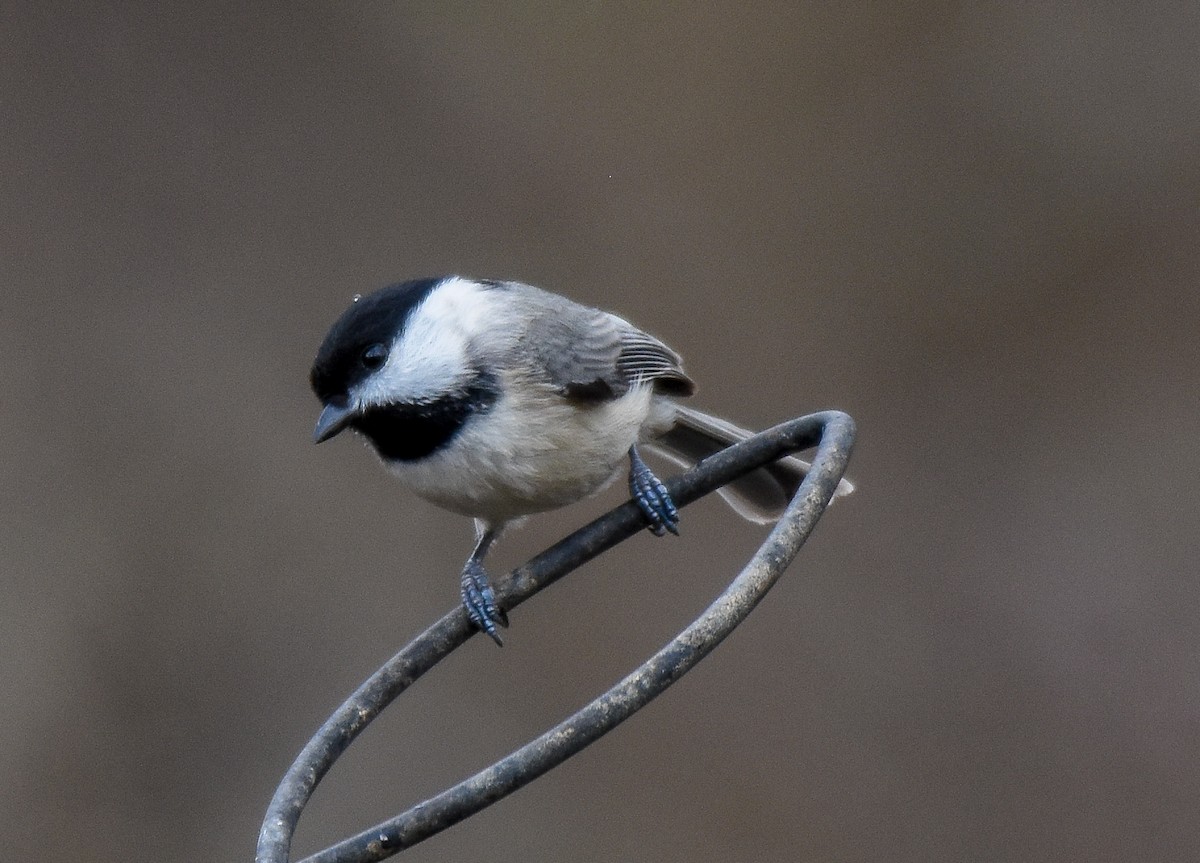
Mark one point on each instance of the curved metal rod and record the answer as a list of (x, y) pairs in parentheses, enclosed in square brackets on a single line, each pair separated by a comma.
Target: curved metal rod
[(835, 433)]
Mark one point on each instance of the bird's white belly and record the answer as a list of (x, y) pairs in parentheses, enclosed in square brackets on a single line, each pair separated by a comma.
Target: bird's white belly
[(532, 452)]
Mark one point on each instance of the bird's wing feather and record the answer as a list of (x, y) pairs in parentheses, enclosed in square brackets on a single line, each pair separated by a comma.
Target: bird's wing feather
[(592, 355), (643, 357)]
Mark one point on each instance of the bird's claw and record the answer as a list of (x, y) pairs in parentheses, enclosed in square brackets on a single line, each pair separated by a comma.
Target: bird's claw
[(479, 600), (652, 497)]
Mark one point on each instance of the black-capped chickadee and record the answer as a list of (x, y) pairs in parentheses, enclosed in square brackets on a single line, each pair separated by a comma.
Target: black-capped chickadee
[(497, 400)]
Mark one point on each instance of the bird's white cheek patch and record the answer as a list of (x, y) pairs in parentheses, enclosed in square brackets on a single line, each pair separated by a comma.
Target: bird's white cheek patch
[(430, 357)]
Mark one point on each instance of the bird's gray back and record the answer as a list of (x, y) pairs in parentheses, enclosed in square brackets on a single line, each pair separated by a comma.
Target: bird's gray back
[(591, 354)]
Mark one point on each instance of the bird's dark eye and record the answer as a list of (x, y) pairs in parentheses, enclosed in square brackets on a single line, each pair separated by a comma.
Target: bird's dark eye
[(374, 356)]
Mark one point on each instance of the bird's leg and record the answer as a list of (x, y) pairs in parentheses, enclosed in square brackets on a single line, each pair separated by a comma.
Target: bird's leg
[(478, 598), (652, 496)]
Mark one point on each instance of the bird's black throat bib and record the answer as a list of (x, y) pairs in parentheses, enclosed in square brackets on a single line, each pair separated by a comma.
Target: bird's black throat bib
[(411, 431)]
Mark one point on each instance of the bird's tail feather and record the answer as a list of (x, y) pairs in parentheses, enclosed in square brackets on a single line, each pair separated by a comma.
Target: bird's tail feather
[(760, 496)]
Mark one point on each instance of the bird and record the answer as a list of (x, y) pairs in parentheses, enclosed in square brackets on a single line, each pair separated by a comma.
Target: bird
[(497, 400)]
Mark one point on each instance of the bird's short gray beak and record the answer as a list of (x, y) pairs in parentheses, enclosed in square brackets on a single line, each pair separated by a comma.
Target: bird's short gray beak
[(333, 419)]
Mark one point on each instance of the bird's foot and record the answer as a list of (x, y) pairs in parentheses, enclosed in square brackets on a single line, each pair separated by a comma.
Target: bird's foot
[(479, 600), (652, 496)]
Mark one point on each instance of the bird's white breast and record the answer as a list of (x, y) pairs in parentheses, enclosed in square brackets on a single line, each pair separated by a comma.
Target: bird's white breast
[(532, 451)]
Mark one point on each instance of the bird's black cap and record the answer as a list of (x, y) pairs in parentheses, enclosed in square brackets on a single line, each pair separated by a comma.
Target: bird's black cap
[(370, 320)]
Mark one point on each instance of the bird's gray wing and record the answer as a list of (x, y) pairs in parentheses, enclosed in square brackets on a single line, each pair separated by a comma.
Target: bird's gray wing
[(592, 355), (644, 358)]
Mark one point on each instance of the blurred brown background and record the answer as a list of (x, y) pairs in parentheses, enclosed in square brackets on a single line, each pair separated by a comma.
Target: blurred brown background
[(975, 229)]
